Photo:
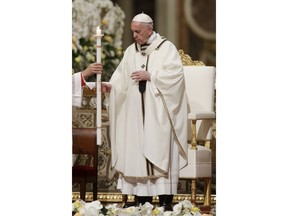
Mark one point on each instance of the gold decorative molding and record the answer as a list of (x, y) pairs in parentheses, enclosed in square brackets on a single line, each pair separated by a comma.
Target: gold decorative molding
[(187, 60), (118, 198)]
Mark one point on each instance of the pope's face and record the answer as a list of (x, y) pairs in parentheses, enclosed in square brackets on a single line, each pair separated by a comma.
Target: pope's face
[(141, 32)]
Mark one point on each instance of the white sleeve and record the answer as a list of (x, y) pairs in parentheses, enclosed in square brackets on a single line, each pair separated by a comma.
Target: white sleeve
[(76, 89)]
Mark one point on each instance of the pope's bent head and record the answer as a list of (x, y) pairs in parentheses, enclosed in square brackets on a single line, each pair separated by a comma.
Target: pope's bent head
[(142, 28)]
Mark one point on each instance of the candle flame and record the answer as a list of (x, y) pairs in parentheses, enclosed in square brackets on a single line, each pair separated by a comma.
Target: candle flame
[(98, 31)]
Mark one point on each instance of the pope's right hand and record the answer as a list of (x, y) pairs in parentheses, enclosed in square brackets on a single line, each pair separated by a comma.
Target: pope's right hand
[(105, 87)]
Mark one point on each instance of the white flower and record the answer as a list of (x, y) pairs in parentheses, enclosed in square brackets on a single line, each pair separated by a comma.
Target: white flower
[(188, 214), (86, 17), (79, 206), (130, 211), (158, 211), (90, 57), (93, 208), (177, 208), (168, 213), (112, 209), (187, 204), (146, 209)]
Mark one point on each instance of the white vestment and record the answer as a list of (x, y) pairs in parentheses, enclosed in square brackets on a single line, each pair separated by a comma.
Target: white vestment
[(162, 138), (76, 90)]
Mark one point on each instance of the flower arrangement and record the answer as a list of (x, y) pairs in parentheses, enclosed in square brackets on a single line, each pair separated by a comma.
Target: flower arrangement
[(95, 208), (87, 15)]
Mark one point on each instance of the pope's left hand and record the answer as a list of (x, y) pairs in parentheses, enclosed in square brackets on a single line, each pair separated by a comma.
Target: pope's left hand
[(140, 75)]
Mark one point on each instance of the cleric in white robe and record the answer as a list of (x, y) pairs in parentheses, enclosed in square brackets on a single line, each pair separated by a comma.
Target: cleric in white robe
[(148, 130), (79, 79)]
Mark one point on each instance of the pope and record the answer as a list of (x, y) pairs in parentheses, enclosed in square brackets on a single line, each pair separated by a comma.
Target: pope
[(147, 108)]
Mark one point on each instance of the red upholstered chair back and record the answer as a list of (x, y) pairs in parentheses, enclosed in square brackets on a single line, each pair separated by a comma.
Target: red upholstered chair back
[(84, 142)]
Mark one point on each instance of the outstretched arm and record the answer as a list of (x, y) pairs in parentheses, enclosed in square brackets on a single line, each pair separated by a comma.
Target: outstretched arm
[(105, 87)]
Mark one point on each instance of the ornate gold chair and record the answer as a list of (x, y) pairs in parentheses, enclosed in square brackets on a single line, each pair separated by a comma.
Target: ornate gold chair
[(200, 88)]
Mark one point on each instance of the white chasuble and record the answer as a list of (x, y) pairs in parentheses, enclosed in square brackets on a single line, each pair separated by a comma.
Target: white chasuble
[(149, 150)]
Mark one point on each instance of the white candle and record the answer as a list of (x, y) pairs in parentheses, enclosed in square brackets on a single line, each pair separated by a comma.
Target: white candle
[(98, 83), (98, 44)]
